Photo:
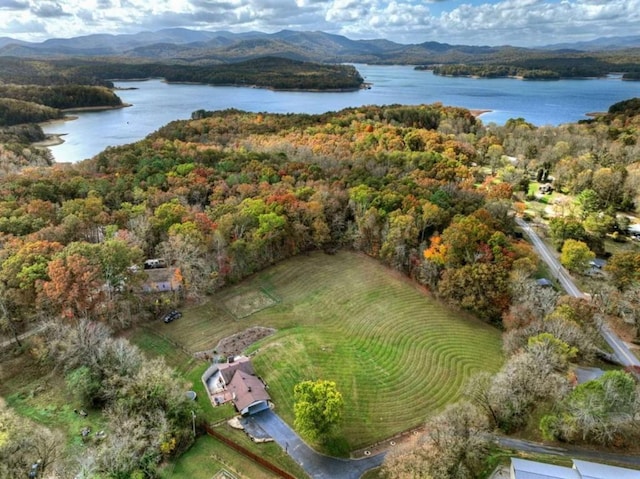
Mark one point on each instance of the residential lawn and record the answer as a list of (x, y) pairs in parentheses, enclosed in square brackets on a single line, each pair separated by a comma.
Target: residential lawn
[(207, 457), (397, 355)]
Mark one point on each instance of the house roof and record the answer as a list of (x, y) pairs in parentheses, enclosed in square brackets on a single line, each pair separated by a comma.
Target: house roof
[(227, 370), (247, 389), (584, 373), (598, 262), (592, 470), (523, 469)]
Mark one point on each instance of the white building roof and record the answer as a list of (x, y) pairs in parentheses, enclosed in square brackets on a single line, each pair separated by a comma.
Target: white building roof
[(523, 469), (592, 470)]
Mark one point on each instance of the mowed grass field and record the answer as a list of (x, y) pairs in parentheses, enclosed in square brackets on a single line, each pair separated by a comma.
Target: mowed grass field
[(397, 355)]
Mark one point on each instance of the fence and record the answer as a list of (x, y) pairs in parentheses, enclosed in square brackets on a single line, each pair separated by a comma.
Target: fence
[(254, 457)]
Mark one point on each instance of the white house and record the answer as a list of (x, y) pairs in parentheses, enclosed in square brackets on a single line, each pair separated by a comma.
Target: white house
[(236, 381)]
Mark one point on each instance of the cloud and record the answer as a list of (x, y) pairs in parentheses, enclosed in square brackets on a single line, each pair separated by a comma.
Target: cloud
[(14, 5), (488, 22), (16, 27), (49, 10)]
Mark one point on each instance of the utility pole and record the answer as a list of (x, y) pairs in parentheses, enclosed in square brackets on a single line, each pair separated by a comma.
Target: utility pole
[(193, 422)]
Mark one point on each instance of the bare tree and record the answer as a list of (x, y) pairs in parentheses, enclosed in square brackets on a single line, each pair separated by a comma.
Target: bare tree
[(454, 447)]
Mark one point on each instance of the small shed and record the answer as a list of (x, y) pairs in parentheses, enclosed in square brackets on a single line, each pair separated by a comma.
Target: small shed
[(544, 283)]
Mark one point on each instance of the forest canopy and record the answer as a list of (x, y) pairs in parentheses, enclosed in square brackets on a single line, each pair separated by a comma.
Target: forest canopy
[(264, 72)]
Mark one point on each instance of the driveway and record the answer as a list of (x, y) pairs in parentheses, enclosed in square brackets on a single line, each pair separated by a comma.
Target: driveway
[(318, 466)]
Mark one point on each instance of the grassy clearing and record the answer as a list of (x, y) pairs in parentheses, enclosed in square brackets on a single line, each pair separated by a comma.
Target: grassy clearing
[(44, 398), (397, 355)]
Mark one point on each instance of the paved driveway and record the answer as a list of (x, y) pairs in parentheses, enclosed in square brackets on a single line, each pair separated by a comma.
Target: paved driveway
[(316, 465)]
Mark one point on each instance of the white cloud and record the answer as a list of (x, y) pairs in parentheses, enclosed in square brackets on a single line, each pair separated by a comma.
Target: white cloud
[(489, 22)]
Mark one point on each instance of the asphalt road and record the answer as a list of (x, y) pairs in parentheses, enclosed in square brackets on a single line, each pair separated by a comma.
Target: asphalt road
[(318, 466), (620, 349), (631, 460)]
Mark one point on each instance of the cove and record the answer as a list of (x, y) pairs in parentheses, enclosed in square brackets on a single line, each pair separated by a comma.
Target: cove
[(156, 103)]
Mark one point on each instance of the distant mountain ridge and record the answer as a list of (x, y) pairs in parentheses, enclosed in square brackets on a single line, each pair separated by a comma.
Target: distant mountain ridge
[(198, 46)]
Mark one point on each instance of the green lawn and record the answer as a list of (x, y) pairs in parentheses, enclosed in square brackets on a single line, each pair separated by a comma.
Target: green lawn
[(397, 355), (44, 398), (207, 457)]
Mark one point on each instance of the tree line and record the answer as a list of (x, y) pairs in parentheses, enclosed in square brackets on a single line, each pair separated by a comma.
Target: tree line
[(266, 72), (61, 96), (538, 65)]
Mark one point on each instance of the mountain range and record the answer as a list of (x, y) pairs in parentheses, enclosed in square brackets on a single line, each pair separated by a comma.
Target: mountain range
[(197, 46)]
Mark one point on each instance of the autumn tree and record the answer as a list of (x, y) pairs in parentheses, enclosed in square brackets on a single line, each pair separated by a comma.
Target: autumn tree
[(75, 286), (624, 269), (576, 255), (318, 408), (455, 446), (482, 288), (23, 267)]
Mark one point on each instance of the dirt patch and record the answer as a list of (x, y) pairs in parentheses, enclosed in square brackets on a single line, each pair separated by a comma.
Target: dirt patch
[(406, 439), (236, 344), (245, 304)]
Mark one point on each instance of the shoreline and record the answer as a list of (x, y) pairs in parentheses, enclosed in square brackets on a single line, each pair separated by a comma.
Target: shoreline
[(52, 139), (96, 108), (478, 113)]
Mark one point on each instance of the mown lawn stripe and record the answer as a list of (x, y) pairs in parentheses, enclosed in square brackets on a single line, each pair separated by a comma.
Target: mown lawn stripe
[(397, 355)]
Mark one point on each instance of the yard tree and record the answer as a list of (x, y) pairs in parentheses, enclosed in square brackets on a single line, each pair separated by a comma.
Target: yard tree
[(23, 443), (525, 380), (454, 447), (318, 408), (624, 269), (575, 255), (603, 411), (562, 229), (478, 391), (589, 201)]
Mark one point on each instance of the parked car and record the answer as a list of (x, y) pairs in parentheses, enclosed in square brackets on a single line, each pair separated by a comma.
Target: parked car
[(171, 315)]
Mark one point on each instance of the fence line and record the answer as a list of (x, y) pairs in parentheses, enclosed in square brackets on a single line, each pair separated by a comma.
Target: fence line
[(246, 452)]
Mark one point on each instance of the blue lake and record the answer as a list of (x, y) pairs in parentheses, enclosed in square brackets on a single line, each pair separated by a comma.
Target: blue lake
[(156, 103)]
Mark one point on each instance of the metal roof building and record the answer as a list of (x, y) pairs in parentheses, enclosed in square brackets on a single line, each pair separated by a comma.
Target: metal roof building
[(524, 469)]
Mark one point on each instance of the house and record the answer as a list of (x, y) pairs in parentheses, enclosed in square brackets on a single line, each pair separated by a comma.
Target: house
[(544, 283), (161, 280), (236, 381), (598, 263), (524, 469)]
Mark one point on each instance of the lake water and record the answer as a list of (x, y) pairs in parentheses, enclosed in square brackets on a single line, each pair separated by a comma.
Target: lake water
[(156, 103)]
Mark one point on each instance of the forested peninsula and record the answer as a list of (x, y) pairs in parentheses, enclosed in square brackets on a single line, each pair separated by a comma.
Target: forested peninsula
[(264, 72), (540, 66)]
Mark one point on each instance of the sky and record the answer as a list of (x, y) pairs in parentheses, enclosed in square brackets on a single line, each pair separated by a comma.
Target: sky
[(469, 22)]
